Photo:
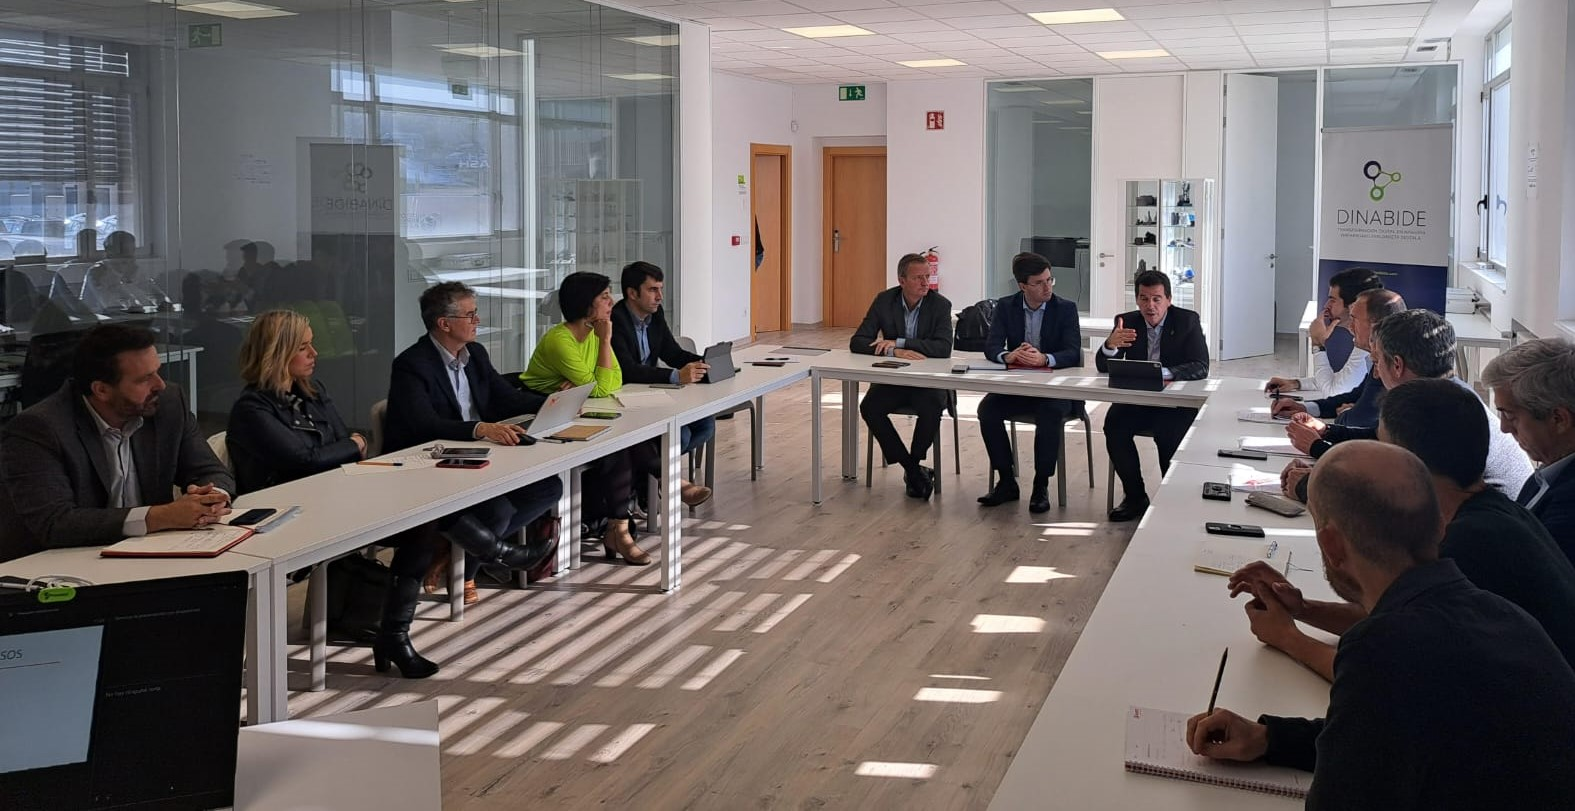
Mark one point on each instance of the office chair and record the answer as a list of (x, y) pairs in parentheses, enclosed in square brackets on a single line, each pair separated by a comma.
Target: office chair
[(47, 365), (1081, 413), (935, 451)]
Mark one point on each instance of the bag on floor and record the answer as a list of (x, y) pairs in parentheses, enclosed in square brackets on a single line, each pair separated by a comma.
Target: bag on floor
[(973, 326), (356, 585)]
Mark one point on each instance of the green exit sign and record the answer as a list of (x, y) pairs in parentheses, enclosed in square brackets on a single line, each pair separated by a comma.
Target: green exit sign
[(204, 35), (850, 92)]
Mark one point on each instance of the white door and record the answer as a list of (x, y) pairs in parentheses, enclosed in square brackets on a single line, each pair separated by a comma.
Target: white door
[(1138, 124), (1247, 253)]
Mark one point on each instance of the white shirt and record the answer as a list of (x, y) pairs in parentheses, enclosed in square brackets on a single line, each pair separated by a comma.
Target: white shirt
[(458, 380), (1330, 382), (123, 488)]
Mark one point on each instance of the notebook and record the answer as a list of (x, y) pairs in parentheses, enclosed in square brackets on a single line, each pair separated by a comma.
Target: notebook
[(1248, 479), (578, 433), (191, 543), (1260, 414), (1156, 744), (642, 398), (1271, 445), (1223, 556)]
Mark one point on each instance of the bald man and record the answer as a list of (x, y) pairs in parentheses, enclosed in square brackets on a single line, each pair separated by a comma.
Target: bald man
[(1444, 696)]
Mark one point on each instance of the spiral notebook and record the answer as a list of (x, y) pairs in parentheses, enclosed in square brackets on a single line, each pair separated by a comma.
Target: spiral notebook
[(1156, 744)]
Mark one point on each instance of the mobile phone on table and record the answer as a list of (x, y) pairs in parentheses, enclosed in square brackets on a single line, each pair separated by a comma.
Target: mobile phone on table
[(1242, 453), (464, 464), (667, 385), (1238, 530), (1275, 504), (1216, 491), (462, 453), (775, 364), (252, 516), (600, 415), (888, 364)]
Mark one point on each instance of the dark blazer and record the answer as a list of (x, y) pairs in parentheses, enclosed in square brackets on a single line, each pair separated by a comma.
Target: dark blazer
[(421, 402), (271, 443), (664, 347), (1363, 399), (1556, 510), (1060, 334), (1182, 349), (886, 317), (56, 477)]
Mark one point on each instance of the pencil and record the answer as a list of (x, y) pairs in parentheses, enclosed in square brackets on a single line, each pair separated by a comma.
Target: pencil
[(383, 464), (1214, 696)]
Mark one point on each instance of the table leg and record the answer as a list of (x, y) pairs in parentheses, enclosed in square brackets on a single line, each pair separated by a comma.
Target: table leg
[(273, 605), (569, 524), (672, 509), (758, 434), (259, 651), (191, 378), (456, 582), (814, 441), (850, 430), (318, 589), (576, 509)]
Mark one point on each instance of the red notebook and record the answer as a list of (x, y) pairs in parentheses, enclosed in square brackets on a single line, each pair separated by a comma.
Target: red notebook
[(192, 543)]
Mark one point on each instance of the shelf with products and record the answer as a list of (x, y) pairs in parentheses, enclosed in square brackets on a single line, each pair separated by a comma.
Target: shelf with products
[(1164, 232)]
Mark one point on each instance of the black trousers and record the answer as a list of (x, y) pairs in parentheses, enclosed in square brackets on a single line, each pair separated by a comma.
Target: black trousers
[(1122, 425), (511, 512), (927, 404), (1047, 414)]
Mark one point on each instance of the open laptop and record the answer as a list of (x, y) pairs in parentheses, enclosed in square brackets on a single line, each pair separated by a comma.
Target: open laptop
[(1142, 375), (720, 358), (560, 410)]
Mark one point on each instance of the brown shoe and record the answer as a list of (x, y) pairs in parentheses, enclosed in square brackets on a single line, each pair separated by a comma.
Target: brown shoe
[(437, 572), (617, 541), (471, 595), (693, 495)]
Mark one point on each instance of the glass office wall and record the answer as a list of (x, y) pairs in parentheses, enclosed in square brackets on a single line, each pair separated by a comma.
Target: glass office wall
[(192, 166), (1039, 147)]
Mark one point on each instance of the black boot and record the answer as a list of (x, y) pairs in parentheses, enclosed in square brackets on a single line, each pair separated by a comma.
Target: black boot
[(393, 640), (477, 540)]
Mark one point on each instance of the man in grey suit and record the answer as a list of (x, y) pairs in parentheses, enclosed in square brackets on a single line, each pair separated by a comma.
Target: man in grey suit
[(99, 460), (908, 322)]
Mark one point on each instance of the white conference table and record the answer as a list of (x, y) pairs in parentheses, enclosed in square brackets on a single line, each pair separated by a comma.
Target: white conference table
[(1473, 333), (87, 564), (1154, 640), (1217, 426)]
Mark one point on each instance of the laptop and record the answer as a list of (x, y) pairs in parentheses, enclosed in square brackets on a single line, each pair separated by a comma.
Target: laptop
[(720, 358), (1141, 375), (560, 410)]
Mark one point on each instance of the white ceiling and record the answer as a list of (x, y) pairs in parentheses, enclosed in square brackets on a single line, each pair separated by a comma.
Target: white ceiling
[(997, 38)]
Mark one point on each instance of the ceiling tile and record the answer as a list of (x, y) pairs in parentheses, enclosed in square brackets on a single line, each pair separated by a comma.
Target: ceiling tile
[(993, 22), (1170, 10), (942, 11), (1249, 6), (1270, 39), (935, 36), (1416, 12), (1279, 30), (908, 26), (823, 6), (724, 25), (1076, 29), (794, 20), (754, 8), (878, 15), (1279, 17), (1376, 22)]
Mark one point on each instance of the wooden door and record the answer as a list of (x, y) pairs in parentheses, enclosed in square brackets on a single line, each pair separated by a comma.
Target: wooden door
[(854, 268), (768, 239)]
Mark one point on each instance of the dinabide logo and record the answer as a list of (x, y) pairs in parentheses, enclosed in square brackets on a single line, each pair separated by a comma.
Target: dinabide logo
[(1381, 217)]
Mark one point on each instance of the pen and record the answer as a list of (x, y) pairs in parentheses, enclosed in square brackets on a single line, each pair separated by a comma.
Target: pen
[(1217, 678), (383, 464), (1288, 555), (1277, 395)]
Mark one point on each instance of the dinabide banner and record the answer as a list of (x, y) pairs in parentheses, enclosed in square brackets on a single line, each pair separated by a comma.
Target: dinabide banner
[(1386, 207)]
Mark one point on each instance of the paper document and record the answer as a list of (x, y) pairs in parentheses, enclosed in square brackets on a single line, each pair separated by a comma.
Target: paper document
[(1156, 744), (190, 543), (391, 463), (1272, 445), (48, 683), (642, 398), (1259, 414), (1223, 556), (1246, 479)]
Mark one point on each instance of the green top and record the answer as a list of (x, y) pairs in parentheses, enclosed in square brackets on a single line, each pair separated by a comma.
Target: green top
[(560, 357)]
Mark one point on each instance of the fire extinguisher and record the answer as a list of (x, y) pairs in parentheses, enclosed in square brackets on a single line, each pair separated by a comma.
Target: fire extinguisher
[(933, 258)]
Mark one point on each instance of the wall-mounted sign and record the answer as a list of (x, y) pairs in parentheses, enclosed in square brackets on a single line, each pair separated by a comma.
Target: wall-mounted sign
[(850, 92), (935, 120), (204, 35)]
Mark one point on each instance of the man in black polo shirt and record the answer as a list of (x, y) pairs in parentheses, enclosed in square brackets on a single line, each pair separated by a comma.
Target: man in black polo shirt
[(1445, 696)]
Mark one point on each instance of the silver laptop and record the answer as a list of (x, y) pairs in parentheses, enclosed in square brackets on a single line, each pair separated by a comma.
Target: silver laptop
[(560, 410)]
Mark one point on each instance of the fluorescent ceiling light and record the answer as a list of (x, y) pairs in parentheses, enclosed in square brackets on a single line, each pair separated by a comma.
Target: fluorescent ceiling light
[(234, 9), (1015, 88), (477, 49), (1150, 53), (1357, 3), (1086, 15), (1062, 102), (656, 40), (638, 77), (932, 63), (829, 31)]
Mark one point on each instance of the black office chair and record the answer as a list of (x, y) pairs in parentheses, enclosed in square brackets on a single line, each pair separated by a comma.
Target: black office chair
[(1080, 413), (47, 365), (935, 450)]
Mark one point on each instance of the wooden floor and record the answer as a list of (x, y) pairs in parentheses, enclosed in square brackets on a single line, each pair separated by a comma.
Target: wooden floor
[(874, 652)]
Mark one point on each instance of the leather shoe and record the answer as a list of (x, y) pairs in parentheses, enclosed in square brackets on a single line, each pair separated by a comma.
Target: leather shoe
[(1039, 501), (1005, 490), (1131, 507), (920, 482)]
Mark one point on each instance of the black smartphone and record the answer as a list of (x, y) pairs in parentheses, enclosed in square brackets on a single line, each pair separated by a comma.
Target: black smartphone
[(464, 464), (1238, 530), (1241, 453), (252, 516), (775, 364), (600, 415), (667, 385), (888, 364), (1216, 491), (463, 453)]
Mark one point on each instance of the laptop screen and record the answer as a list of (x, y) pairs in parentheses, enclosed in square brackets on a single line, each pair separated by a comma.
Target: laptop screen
[(124, 696)]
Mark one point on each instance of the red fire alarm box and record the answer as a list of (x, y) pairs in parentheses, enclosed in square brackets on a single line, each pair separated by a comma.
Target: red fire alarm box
[(935, 120)]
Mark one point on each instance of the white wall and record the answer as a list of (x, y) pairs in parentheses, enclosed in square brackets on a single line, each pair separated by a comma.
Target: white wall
[(1536, 253), (935, 180), (697, 264), (1296, 188), (745, 111)]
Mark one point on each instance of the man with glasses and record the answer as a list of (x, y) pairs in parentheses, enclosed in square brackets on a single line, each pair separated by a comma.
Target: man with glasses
[(1033, 329), (444, 387)]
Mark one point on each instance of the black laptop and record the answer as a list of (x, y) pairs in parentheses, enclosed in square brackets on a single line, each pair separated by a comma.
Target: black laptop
[(719, 357), (1141, 375)]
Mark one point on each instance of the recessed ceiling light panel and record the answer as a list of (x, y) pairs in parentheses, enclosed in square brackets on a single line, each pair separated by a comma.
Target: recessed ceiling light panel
[(1085, 15), (830, 31)]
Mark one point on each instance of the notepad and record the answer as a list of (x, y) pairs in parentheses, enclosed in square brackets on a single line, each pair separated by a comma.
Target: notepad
[(578, 433), (1247, 479), (642, 398), (191, 543), (1260, 414), (1224, 556), (1272, 445), (1156, 744)]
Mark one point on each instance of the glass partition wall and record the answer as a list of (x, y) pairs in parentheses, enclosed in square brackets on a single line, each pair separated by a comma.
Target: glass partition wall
[(332, 156)]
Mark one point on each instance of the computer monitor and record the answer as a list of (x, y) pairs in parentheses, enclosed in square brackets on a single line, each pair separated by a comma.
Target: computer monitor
[(122, 696)]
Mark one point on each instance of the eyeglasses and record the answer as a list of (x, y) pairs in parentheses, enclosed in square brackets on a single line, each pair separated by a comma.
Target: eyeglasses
[(473, 315)]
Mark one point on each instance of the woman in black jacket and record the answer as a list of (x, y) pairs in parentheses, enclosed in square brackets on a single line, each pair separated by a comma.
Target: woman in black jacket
[(285, 427)]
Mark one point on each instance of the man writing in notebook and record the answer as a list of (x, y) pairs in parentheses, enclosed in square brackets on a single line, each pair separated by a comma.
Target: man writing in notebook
[(100, 460), (1445, 696)]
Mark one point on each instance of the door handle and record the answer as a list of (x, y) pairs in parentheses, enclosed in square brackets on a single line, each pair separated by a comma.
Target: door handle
[(836, 240), (1107, 256)]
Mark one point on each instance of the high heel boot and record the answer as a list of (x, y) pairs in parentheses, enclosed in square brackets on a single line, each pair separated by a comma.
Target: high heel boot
[(617, 541), (475, 538), (393, 638)]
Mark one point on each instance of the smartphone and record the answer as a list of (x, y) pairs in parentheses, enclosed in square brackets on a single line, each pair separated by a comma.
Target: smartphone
[(1275, 504), (888, 364), (1238, 530), (463, 453), (667, 385), (1216, 491), (464, 464), (1241, 453), (252, 516), (775, 364), (600, 415)]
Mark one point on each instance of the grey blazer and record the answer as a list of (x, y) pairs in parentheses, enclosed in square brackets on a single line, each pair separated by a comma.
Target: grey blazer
[(54, 478)]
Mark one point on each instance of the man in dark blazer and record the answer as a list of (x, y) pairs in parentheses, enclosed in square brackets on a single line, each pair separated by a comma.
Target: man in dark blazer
[(1032, 329), (909, 322), (1174, 337), (641, 339), (99, 460), (1534, 388), (444, 387), (1357, 408)]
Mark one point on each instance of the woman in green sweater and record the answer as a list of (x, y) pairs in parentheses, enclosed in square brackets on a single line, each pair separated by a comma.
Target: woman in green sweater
[(577, 352)]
